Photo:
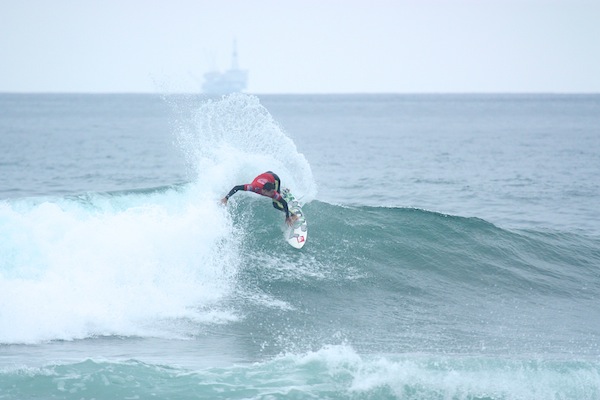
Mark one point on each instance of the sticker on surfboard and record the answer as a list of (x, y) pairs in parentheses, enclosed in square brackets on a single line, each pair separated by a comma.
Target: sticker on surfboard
[(296, 234)]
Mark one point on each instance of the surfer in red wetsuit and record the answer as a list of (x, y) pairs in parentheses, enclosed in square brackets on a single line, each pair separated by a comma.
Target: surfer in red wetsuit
[(266, 184)]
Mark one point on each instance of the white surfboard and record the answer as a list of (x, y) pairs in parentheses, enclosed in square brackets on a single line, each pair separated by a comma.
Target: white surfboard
[(296, 234)]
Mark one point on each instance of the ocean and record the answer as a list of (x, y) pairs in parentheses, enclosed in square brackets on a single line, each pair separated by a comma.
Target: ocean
[(453, 247)]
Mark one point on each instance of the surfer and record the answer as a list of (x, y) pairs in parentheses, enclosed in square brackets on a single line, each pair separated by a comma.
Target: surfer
[(266, 184)]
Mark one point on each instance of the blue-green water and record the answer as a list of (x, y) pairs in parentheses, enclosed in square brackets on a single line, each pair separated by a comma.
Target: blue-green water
[(453, 253)]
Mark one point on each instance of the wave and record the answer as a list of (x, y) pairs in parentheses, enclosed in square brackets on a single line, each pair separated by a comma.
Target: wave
[(124, 263), (333, 372), (417, 293)]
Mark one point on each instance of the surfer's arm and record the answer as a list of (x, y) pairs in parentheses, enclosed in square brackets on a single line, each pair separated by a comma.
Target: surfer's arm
[(285, 207), (289, 217), (232, 192)]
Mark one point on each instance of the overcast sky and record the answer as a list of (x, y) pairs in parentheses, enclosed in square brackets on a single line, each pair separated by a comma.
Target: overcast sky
[(301, 46)]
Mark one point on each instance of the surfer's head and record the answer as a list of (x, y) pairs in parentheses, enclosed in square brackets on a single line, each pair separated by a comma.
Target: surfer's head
[(268, 189)]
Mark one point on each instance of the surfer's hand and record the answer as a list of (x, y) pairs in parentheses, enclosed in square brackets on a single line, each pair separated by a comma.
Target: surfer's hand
[(291, 219), (224, 200)]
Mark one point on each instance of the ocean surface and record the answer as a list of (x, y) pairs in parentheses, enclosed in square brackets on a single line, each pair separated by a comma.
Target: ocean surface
[(453, 249)]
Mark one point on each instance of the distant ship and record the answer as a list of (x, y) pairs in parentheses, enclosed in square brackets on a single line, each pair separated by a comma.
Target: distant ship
[(231, 81)]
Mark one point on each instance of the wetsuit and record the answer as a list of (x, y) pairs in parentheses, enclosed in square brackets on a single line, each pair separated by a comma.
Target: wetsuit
[(258, 184)]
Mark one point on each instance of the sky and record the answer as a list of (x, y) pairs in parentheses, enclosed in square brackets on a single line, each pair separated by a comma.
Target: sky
[(302, 46)]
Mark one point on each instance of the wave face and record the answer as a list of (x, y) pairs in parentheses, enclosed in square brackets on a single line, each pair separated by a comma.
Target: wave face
[(395, 279)]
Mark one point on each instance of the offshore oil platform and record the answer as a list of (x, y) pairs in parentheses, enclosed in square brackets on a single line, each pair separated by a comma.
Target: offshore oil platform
[(232, 80)]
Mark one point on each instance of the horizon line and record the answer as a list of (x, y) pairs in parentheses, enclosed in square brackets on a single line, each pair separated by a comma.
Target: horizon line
[(300, 93)]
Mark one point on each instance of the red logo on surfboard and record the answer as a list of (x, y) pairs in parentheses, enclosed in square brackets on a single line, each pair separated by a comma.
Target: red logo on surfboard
[(300, 239)]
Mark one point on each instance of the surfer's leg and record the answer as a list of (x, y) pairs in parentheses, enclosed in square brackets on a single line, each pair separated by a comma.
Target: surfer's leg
[(278, 205)]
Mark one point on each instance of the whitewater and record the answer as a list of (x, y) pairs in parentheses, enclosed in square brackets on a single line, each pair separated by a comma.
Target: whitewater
[(454, 247)]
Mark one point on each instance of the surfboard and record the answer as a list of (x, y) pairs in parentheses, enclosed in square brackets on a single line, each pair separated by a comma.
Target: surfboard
[(296, 234)]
